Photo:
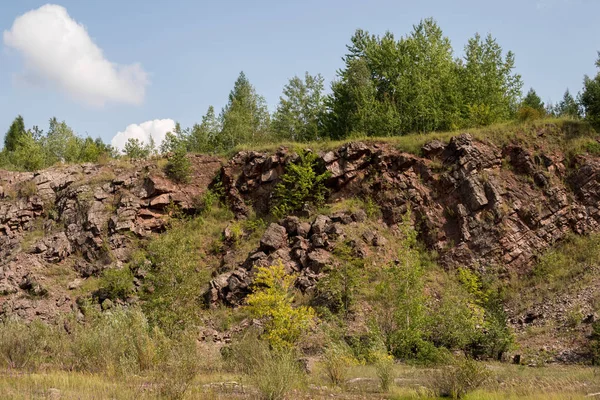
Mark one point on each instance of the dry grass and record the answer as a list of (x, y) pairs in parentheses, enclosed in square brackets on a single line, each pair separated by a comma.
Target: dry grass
[(507, 382)]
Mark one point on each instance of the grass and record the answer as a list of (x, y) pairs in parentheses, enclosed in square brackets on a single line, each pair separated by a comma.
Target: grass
[(570, 266), (550, 134), (507, 382)]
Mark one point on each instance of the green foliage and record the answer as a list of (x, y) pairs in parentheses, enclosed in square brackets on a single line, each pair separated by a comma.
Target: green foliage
[(245, 118), (300, 110), (384, 367), (461, 378), (178, 368), (179, 167), (533, 101), (277, 374), (527, 113), (274, 372), (301, 185), (272, 301), (594, 343), (337, 361), (568, 107), (338, 289), (31, 150), (203, 137), (21, 345), (399, 313), (414, 84), (177, 274), (590, 98), (116, 342), (135, 150), (117, 283), (14, 134)]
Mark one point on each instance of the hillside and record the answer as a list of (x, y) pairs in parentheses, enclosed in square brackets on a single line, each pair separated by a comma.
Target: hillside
[(505, 222)]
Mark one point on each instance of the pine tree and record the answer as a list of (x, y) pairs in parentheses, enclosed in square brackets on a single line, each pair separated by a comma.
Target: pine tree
[(15, 132), (534, 101), (203, 137), (568, 106), (245, 118)]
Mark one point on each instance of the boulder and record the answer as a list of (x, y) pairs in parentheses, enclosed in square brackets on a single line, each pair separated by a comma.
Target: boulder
[(274, 238)]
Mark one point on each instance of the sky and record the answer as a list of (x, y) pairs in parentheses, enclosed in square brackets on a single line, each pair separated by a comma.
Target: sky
[(116, 69)]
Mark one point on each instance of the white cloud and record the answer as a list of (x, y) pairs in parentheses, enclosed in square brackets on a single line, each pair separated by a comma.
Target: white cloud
[(57, 50), (157, 129)]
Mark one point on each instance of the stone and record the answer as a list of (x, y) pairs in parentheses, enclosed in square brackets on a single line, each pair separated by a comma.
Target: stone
[(320, 224), (359, 216), (318, 259), (274, 238), (291, 224), (303, 229), (473, 193)]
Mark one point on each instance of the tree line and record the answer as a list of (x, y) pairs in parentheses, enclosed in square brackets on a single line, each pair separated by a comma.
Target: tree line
[(387, 86)]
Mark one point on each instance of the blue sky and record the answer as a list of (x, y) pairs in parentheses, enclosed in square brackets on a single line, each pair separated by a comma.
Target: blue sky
[(187, 54)]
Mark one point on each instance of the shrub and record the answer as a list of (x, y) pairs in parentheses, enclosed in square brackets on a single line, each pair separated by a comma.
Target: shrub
[(527, 113), (115, 342), (178, 370), (300, 185), (336, 362), (384, 367), (272, 301), (461, 378), (117, 283), (21, 345), (276, 374), (179, 166)]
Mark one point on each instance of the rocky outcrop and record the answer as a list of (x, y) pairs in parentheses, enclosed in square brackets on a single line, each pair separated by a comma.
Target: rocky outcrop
[(82, 218), (475, 203), (303, 248)]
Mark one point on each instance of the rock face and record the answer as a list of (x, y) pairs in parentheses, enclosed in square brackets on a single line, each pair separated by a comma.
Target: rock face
[(475, 203), (81, 218), (305, 251)]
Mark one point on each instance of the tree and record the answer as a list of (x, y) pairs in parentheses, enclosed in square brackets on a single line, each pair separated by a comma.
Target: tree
[(590, 98), (430, 99), (300, 109), (15, 132), (489, 88), (272, 300), (568, 106), (203, 137), (398, 303), (134, 149), (534, 101), (245, 118)]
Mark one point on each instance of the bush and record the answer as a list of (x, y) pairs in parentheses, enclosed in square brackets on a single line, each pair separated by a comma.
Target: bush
[(178, 370), (117, 283), (461, 378), (179, 167), (384, 367), (276, 374), (527, 113), (115, 342), (301, 185), (336, 362), (272, 301), (22, 346)]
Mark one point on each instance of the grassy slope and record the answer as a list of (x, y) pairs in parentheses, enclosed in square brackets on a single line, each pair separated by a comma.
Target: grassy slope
[(552, 134)]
